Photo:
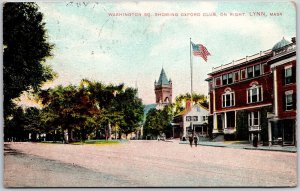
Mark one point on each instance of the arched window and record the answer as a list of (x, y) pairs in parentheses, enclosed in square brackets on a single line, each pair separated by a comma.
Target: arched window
[(228, 98), (254, 93)]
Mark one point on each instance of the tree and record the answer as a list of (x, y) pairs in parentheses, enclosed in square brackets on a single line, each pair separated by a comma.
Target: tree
[(59, 102), (158, 121), (181, 99), (131, 109), (14, 130), (25, 51)]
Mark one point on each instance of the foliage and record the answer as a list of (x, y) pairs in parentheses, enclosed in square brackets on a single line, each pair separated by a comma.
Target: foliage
[(181, 99), (242, 129), (14, 129), (25, 51), (131, 108), (91, 106), (158, 121)]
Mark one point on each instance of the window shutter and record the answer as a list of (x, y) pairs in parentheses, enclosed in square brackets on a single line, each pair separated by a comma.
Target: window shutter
[(248, 96), (284, 101), (283, 76), (294, 101), (260, 94), (223, 100), (294, 74)]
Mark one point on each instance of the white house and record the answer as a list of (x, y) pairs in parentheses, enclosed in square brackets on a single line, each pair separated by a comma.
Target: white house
[(192, 120)]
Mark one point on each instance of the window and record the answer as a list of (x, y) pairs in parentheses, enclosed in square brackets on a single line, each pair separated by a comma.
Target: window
[(236, 76), (230, 79), (253, 118), (188, 118), (254, 94), (250, 72), (227, 79), (195, 118), (288, 75), (218, 81), (257, 70), (224, 79), (228, 99), (288, 101), (263, 68), (243, 74)]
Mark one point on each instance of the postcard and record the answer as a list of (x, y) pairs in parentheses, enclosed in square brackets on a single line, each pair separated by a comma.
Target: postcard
[(149, 94)]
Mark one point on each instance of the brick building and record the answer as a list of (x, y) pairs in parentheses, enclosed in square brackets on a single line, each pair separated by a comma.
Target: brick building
[(256, 95)]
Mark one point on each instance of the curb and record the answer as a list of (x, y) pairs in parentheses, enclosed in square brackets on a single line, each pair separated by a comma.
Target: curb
[(277, 150), (246, 148)]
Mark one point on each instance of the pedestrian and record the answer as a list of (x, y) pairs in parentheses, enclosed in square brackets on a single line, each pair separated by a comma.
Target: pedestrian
[(255, 140), (195, 140), (191, 140)]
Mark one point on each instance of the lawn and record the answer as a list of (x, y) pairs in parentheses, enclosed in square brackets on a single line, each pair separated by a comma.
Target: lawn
[(88, 142)]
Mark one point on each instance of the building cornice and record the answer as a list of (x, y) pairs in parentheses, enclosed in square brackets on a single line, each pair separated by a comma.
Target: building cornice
[(243, 108)]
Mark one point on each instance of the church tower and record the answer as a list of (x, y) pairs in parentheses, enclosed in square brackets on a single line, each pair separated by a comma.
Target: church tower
[(163, 89)]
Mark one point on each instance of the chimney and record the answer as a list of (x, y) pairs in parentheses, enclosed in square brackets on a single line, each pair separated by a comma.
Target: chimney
[(294, 40), (188, 105)]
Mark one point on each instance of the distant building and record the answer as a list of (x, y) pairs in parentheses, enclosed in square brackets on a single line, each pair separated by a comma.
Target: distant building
[(256, 95), (192, 120), (163, 89), (282, 124), (163, 94)]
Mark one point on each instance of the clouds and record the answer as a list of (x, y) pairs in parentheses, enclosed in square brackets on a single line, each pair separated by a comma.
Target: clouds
[(91, 44)]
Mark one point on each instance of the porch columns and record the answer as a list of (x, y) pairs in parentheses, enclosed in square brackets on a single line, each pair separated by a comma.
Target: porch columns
[(215, 130), (270, 133), (184, 130), (234, 119), (275, 92), (225, 120)]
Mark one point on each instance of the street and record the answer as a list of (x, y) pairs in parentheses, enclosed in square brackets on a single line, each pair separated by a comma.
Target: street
[(145, 164)]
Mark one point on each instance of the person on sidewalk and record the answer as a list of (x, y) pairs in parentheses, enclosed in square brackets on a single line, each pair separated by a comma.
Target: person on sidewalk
[(195, 140), (255, 140), (191, 140)]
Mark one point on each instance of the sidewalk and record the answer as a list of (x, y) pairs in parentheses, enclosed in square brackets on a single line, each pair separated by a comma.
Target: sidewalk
[(242, 145)]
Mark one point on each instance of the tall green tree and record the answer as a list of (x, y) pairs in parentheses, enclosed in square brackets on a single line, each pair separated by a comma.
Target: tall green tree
[(59, 102), (132, 110), (25, 51), (159, 121)]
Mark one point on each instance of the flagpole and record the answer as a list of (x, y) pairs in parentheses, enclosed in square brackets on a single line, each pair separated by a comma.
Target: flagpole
[(191, 71), (192, 126)]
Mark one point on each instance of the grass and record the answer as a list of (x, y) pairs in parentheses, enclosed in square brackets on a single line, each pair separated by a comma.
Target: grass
[(87, 142), (96, 142)]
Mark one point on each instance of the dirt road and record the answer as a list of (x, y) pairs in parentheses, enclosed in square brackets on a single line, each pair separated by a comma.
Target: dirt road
[(144, 163)]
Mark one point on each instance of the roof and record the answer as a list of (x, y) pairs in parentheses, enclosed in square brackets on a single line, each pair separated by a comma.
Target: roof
[(186, 111), (280, 44), (147, 109), (239, 62), (163, 80)]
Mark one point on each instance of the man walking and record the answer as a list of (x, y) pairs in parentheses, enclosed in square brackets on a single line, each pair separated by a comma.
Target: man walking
[(191, 140), (195, 140)]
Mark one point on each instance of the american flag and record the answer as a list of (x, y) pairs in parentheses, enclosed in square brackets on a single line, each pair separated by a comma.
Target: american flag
[(200, 50)]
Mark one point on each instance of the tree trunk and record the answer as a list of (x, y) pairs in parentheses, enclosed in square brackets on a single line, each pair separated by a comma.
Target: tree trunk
[(109, 131), (106, 133), (70, 135), (120, 134)]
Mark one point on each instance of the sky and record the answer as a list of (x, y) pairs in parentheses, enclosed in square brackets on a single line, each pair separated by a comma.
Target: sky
[(133, 49)]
